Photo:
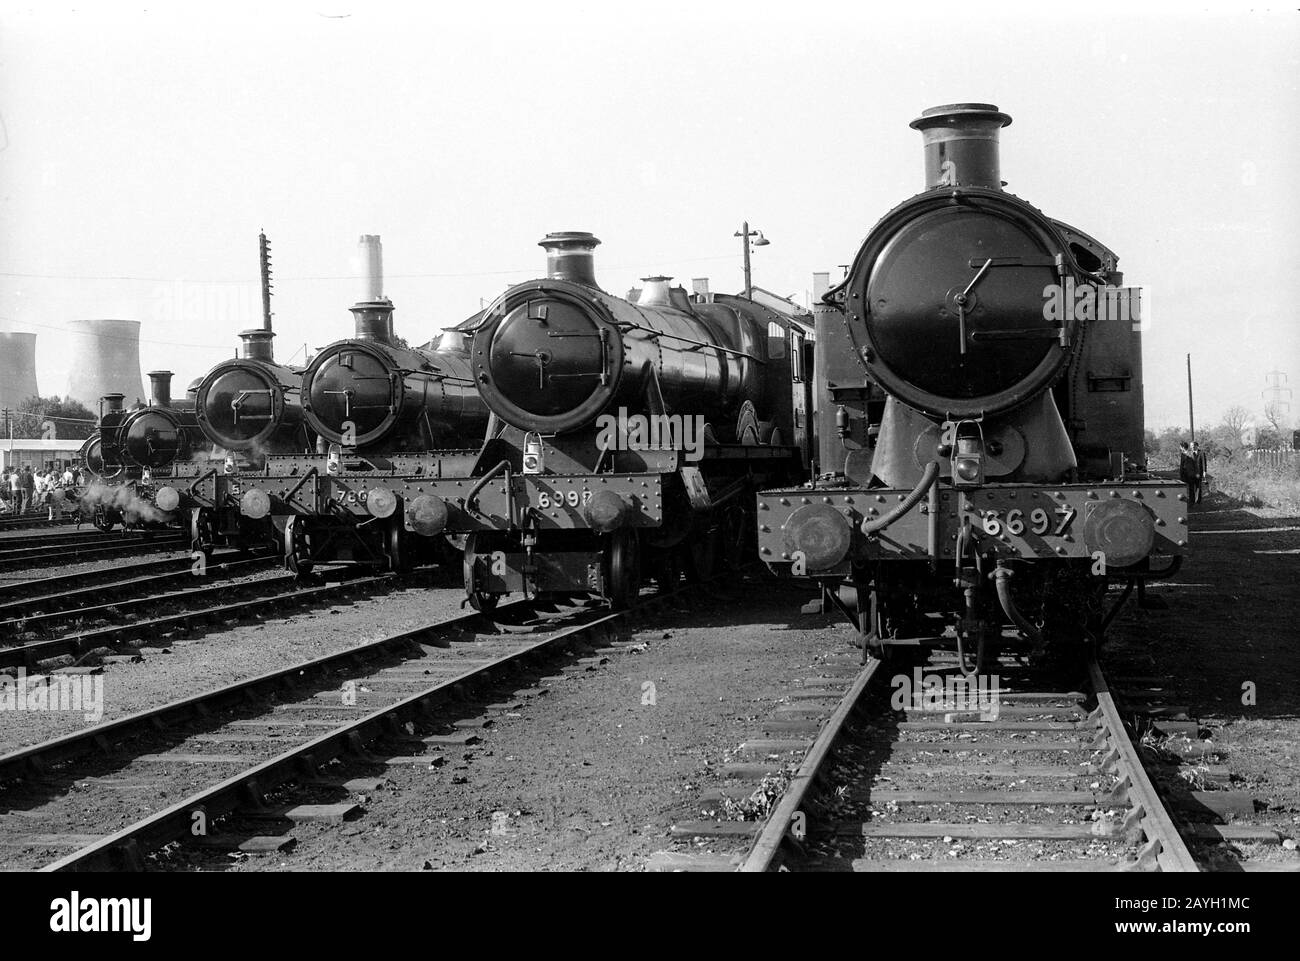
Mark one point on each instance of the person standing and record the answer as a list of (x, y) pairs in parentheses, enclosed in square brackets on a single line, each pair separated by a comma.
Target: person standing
[(28, 484), (1187, 471), (1201, 465)]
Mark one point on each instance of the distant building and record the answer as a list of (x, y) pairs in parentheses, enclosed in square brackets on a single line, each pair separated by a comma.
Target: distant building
[(38, 454)]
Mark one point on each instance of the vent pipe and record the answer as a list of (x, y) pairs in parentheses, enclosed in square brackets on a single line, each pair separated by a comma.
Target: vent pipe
[(256, 345), (374, 321), (961, 144), (160, 388), (569, 256)]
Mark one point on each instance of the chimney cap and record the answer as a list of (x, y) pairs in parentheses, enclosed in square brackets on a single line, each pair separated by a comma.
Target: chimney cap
[(160, 373), (947, 113), (581, 239), (656, 279)]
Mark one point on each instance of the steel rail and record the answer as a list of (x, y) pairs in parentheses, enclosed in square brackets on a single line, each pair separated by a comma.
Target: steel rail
[(28, 655), (173, 823), (56, 605), (764, 853), (43, 556), (1156, 823)]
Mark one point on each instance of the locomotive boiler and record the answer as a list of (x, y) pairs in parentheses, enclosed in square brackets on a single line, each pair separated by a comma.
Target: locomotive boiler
[(250, 406), (382, 413), (1000, 488), (372, 394), (625, 434)]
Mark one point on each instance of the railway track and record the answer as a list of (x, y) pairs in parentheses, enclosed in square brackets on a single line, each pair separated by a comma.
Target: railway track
[(35, 521), (51, 587), (244, 751), (192, 608), (1029, 776), (76, 550)]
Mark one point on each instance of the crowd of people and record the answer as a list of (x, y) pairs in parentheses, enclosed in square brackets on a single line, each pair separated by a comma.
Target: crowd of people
[(23, 489)]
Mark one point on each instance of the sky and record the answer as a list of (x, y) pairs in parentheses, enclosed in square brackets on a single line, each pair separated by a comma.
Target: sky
[(143, 148)]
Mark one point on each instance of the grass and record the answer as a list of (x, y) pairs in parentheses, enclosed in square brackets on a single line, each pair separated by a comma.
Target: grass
[(1246, 484)]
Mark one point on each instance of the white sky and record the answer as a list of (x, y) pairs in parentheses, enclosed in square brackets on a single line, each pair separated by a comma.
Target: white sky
[(152, 145)]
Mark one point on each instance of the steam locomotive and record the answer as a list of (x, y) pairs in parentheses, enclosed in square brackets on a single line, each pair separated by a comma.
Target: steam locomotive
[(248, 408), (622, 435), (132, 449), (980, 465), (386, 417)]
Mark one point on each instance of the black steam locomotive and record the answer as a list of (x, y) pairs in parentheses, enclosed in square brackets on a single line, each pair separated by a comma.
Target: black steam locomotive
[(384, 415), (248, 409), (980, 460), (132, 450), (623, 435)]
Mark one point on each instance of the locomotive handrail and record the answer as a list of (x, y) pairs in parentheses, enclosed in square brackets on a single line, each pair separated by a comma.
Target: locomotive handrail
[(483, 482), (931, 474), (211, 471), (687, 340)]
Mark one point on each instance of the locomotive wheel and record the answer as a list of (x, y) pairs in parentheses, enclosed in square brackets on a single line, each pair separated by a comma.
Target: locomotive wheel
[(395, 545), (482, 601), (666, 569), (702, 556), (103, 519), (622, 569), (297, 548)]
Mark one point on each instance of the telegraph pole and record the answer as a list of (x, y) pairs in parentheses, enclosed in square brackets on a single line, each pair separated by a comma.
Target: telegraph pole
[(264, 255), (1191, 415)]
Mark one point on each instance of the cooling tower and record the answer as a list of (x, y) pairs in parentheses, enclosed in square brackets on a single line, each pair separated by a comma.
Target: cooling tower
[(17, 368), (105, 359)]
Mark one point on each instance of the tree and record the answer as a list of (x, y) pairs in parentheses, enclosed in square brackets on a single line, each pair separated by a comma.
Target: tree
[(1275, 414), (53, 418)]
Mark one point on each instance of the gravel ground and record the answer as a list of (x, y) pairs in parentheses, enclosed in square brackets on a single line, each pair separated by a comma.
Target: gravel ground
[(590, 775), (1230, 632)]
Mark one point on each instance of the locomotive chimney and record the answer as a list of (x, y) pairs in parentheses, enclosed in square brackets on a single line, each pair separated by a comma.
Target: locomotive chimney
[(256, 344), (961, 145), (374, 321), (569, 256), (160, 388), (372, 263), (111, 403), (655, 293)]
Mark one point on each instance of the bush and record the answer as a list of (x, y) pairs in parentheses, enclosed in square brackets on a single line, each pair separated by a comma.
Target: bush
[(1250, 484)]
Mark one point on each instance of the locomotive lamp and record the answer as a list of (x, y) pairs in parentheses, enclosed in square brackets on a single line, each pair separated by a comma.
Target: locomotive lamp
[(229, 466), (146, 476), (333, 462), (968, 461), (533, 458)]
